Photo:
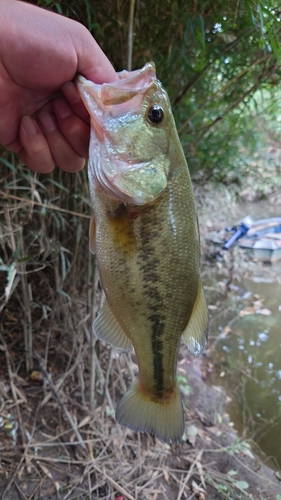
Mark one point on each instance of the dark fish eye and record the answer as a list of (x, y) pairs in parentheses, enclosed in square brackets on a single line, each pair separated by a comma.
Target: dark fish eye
[(155, 114)]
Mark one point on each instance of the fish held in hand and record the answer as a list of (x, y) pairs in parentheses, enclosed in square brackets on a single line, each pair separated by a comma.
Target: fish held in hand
[(144, 232)]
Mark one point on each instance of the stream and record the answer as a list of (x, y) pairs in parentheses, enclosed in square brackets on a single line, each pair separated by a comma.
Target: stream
[(245, 352)]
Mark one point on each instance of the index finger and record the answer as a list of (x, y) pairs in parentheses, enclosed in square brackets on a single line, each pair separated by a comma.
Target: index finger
[(92, 61), (73, 97)]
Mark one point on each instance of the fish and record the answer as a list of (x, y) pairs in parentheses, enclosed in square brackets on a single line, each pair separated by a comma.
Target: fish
[(144, 232)]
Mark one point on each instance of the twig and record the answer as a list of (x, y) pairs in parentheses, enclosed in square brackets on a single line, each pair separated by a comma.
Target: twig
[(45, 444), (192, 496), (69, 417), (188, 476), (61, 380), (25, 445), (220, 90), (27, 325), (222, 334), (114, 484), (59, 460), (174, 477), (13, 391), (23, 497), (44, 205), (10, 229), (130, 34), (198, 75), (155, 477), (105, 389)]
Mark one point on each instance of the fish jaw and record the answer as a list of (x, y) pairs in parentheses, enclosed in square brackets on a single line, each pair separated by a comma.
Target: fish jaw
[(128, 157)]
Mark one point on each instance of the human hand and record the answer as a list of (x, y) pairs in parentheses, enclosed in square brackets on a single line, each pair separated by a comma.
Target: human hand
[(42, 117)]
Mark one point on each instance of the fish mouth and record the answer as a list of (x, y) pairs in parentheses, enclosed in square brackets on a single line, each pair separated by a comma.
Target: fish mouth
[(129, 85)]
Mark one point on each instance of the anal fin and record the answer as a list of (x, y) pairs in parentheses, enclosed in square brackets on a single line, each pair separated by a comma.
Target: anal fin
[(107, 328), (196, 332)]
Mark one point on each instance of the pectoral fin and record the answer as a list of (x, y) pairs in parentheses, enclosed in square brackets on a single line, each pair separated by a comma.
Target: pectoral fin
[(92, 235), (195, 334), (121, 231), (107, 328)]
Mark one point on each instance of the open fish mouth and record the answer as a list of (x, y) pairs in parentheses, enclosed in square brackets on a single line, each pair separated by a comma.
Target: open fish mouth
[(129, 85)]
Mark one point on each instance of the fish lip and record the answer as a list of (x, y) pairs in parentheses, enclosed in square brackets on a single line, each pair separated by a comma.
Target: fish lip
[(130, 84), (148, 68)]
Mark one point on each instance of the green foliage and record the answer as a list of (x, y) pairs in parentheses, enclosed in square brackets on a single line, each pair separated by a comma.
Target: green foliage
[(212, 57), (183, 385)]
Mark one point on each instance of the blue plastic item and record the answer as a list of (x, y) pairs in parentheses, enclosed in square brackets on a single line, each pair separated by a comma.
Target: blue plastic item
[(241, 231)]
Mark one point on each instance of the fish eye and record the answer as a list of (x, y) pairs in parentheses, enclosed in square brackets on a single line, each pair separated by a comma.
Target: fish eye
[(155, 114)]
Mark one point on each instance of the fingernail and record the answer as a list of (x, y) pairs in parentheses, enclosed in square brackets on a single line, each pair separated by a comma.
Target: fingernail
[(29, 125), (47, 121), (62, 108)]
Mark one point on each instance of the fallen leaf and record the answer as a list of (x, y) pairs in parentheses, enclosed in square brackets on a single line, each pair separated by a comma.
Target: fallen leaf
[(264, 311), (200, 493), (166, 476), (44, 469), (192, 432), (227, 330), (247, 311), (85, 421)]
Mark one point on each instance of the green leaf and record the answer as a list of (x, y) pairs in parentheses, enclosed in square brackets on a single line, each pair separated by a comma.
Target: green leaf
[(232, 472), (278, 475), (242, 485), (192, 432), (183, 385), (245, 448), (10, 280), (58, 185)]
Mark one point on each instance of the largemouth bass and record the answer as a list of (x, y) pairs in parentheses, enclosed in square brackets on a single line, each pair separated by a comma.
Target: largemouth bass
[(144, 232)]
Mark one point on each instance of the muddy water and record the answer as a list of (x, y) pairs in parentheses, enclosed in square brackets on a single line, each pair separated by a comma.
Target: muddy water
[(247, 358)]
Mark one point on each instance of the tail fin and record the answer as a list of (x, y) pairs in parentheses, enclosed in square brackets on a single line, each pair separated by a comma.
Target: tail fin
[(164, 419)]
